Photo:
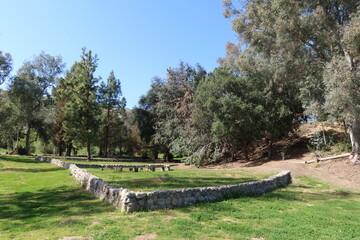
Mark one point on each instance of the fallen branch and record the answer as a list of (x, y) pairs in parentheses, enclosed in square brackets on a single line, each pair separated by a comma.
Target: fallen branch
[(328, 158)]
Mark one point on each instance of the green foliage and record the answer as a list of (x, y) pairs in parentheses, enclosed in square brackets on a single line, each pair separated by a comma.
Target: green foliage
[(5, 66), (113, 106), (164, 115), (28, 92), (319, 143), (230, 107), (81, 109)]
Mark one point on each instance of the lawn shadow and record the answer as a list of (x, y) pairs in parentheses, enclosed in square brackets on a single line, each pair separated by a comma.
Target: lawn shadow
[(47, 203), (19, 159), (31, 169)]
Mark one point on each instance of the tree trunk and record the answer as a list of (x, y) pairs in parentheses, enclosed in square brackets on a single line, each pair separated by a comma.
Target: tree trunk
[(107, 133), (88, 151), (106, 141), (27, 141), (68, 149), (355, 139), (269, 148), (246, 153), (155, 153), (61, 148)]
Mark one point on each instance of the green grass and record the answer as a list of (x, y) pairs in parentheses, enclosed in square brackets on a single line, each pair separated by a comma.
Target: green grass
[(3, 150), (41, 201), (179, 178)]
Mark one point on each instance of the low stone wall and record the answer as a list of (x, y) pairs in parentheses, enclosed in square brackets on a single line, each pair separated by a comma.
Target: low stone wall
[(129, 201)]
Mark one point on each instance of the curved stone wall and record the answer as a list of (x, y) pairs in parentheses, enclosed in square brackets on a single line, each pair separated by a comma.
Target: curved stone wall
[(129, 201)]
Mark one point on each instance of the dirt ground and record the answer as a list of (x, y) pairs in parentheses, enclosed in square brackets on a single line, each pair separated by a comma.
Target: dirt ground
[(340, 172)]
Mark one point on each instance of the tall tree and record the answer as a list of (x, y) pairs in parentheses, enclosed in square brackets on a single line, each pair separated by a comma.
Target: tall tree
[(342, 81), (81, 109), (173, 126), (230, 110), (294, 42), (61, 93), (29, 90), (11, 124), (5, 66), (112, 105), (145, 117)]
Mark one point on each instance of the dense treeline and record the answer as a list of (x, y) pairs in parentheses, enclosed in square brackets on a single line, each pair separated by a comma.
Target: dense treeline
[(293, 59), (68, 113)]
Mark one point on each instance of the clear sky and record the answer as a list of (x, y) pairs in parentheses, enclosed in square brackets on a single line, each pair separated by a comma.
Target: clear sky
[(138, 39)]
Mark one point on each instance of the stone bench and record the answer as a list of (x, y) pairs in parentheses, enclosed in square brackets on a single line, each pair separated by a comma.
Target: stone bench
[(135, 168)]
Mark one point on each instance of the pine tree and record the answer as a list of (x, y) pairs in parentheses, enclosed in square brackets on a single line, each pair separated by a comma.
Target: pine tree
[(82, 111), (112, 106)]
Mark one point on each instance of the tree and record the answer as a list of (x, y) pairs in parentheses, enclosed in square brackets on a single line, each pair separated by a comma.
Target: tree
[(229, 109), (5, 66), (113, 106), (145, 117), (342, 75), (295, 42), (28, 90), (61, 93), (174, 130), (11, 124), (81, 109)]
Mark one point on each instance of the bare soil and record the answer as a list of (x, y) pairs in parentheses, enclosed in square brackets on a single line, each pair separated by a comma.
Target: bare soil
[(339, 172)]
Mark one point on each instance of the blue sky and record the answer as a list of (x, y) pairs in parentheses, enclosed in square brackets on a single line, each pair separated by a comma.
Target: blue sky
[(138, 39)]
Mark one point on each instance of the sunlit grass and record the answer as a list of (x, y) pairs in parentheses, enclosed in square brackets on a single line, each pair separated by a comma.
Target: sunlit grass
[(178, 178), (42, 201)]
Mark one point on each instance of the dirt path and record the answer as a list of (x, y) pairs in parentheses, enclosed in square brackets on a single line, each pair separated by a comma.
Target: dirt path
[(342, 173)]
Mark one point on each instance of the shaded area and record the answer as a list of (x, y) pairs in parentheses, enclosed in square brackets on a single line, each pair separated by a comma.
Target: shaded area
[(19, 159), (31, 169), (63, 201)]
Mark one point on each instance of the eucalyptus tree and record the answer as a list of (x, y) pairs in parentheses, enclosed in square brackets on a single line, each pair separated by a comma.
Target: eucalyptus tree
[(342, 81), (293, 44), (113, 106), (29, 91), (82, 110), (5, 66)]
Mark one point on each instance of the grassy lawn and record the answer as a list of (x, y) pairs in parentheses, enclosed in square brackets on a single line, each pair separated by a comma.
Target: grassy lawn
[(41, 201), (179, 178)]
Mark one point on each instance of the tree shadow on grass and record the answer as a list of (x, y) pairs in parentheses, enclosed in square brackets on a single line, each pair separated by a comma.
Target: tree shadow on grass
[(19, 159), (169, 182), (48, 203), (31, 169)]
